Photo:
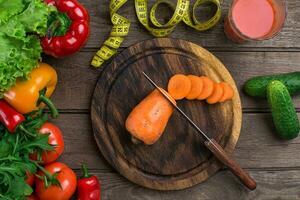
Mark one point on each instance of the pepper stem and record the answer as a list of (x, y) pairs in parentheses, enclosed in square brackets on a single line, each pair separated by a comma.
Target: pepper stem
[(85, 171), (51, 106), (58, 24)]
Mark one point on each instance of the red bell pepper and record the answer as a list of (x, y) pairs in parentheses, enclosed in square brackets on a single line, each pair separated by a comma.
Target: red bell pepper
[(88, 187), (11, 119), (68, 30)]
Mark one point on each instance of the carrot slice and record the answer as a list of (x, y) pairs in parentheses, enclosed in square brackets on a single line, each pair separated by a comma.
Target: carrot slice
[(179, 86), (197, 86), (228, 92), (216, 95), (208, 87), (167, 94)]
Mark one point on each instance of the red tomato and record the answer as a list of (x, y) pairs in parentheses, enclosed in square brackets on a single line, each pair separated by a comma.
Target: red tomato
[(55, 139), (30, 178), (32, 197), (66, 178)]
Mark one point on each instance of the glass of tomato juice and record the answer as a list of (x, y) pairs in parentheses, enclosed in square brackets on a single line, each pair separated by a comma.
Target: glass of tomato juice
[(254, 20)]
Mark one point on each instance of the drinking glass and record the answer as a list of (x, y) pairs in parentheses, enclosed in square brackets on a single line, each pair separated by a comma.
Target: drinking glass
[(233, 32)]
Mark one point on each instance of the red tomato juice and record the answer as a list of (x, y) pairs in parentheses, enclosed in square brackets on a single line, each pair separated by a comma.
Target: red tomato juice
[(252, 18)]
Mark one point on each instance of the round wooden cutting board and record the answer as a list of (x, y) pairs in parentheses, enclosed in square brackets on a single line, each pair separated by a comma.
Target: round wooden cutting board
[(179, 159)]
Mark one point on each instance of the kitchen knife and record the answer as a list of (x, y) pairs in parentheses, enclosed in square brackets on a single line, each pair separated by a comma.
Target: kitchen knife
[(212, 145)]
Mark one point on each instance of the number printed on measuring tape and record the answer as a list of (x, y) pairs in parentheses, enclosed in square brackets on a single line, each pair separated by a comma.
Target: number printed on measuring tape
[(120, 29), (181, 12)]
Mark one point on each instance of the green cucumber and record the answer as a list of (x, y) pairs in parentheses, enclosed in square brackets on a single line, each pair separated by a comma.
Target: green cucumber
[(283, 110), (257, 86)]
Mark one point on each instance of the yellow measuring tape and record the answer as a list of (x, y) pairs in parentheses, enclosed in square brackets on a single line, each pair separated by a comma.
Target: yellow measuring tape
[(121, 25)]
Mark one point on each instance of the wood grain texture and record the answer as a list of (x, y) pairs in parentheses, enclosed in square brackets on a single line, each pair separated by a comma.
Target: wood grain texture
[(258, 145), (272, 184), (101, 27), (272, 162), (275, 162), (179, 159), (77, 79)]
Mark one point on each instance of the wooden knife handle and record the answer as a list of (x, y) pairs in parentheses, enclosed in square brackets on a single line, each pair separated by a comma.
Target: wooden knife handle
[(234, 167)]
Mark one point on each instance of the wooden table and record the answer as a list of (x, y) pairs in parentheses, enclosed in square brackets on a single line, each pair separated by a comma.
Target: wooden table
[(274, 163)]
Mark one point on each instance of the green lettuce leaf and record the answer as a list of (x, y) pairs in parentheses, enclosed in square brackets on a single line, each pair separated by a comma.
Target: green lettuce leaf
[(34, 17), (10, 8), (21, 21)]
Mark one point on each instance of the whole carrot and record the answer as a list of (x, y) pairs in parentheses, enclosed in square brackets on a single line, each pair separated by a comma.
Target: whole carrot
[(148, 120)]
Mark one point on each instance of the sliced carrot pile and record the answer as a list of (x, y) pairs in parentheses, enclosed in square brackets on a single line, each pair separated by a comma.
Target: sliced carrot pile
[(194, 87), (208, 88), (216, 95), (197, 86), (228, 92), (179, 86)]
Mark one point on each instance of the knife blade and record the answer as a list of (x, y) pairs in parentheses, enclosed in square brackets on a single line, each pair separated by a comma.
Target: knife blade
[(211, 144)]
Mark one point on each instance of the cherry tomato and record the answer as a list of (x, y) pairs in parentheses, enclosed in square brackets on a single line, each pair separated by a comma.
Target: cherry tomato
[(30, 178), (32, 197), (66, 178), (55, 139)]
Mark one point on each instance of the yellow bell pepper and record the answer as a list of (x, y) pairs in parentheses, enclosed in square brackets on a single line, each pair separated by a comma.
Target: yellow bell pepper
[(30, 95)]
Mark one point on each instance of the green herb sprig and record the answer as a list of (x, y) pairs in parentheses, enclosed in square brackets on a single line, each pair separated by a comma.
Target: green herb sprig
[(15, 150)]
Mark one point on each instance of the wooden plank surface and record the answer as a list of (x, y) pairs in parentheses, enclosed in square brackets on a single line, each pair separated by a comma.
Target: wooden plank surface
[(101, 26), (77, 79), (274, 163), (272, 184), (258, 146)]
